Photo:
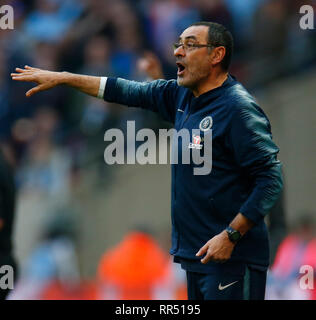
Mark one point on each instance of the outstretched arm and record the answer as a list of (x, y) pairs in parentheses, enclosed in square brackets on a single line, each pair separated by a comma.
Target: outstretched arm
[(158, 96), (48, 79)]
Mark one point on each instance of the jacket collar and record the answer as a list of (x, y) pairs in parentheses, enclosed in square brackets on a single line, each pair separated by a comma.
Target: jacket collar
[(213, 94)]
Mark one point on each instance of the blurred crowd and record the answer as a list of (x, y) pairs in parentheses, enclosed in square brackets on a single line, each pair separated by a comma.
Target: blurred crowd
[(53, 137), (288, 278), (108, 38)]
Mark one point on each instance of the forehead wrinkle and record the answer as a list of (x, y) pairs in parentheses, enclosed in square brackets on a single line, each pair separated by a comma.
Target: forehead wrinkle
[(187, 38)]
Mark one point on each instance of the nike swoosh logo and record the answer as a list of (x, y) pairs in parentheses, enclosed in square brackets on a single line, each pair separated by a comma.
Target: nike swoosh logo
[(220, 287)]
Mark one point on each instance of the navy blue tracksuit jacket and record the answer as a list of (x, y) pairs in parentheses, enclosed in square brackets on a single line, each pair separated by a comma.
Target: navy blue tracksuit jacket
[(245, 177)]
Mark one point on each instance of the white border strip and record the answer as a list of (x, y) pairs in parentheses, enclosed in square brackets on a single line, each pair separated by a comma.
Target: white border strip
[(102, 87)]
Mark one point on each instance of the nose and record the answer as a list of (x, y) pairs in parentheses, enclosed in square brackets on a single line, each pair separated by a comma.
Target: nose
[(179, 52)]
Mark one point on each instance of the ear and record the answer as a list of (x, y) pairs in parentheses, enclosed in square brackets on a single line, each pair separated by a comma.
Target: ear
[(218, 55)]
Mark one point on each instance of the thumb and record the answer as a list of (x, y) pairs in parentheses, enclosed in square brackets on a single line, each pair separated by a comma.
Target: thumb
[(34, 90)]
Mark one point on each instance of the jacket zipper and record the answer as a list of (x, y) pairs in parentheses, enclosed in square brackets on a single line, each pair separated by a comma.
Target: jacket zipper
[(175, 168), (187, 116)]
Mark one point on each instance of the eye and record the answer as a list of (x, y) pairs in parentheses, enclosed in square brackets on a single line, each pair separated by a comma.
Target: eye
[(190, 45)]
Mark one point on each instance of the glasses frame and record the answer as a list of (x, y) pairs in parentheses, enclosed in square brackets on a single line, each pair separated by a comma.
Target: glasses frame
[(191, 46)]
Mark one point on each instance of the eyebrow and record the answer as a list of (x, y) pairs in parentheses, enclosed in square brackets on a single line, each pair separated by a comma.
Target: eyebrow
[(188, 37)]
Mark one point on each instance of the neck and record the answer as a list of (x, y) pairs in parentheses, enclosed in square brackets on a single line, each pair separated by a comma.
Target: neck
[(215, 80)]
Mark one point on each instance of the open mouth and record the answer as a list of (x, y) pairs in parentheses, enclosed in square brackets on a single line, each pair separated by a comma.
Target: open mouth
[(181, 68)]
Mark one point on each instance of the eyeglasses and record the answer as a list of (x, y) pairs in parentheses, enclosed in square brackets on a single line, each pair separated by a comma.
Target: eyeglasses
[(191, 46)]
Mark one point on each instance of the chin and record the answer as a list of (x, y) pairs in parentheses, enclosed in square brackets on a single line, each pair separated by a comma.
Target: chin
[(184, 83), (180, 81)]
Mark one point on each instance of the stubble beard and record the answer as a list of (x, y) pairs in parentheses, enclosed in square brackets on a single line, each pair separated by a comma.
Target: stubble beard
[(193, 79)]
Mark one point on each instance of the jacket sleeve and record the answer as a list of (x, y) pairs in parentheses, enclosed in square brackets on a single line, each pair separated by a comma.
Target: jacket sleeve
[(158, 96), (256, 154)]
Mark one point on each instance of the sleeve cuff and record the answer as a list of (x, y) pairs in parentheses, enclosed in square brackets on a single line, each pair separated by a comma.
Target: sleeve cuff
[(102, 87)]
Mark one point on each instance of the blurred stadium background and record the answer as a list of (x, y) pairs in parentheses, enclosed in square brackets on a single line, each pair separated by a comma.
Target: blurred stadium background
[(81, 225)]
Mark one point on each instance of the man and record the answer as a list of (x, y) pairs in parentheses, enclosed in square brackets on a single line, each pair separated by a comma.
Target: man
[(218, 230), (7, 207)]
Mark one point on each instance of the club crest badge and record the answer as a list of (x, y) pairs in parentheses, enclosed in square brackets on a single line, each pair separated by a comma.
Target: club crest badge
[(206, 123)]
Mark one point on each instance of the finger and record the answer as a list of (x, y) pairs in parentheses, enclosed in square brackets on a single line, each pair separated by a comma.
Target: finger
[(207, 258), (35, 90), (23, 78), (24, 71), (211, 257), (202, 250), (20, 70), (14, 74), (30, 68)]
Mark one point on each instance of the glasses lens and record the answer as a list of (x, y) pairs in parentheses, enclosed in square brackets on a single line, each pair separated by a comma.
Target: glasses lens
[(177, 45)]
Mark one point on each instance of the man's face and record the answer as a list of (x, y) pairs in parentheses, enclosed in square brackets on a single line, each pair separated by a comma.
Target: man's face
[(194, 64)]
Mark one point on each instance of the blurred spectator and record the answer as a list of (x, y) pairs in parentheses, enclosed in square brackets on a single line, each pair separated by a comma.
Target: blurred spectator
[(94, 21), (150, 66), (7, 212), (97, 52), (12, 42), (46, 168), (4, 97), (50, 19), (92, 113), (242, 13), (128, 40), (167, 20), (277, 226), (52, 268), (136, 269), (215, 11), (296, 250), (46, 57), (301, 44), (269, 52)]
